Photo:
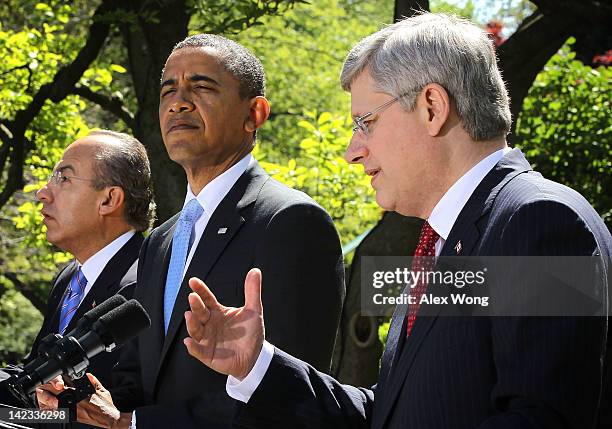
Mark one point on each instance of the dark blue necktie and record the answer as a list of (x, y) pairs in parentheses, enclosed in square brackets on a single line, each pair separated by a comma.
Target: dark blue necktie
[(72, 299)]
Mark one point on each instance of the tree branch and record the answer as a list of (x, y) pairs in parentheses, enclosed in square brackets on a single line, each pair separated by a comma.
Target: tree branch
[(61, 85), (28, 291), (525, 53), (111, 104), (406, 8), (539, 37)]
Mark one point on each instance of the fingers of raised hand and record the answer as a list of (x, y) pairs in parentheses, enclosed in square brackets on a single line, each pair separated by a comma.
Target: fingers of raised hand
[(208, 298), (252, 291), (96, 383), (197, 318), (196, 350)]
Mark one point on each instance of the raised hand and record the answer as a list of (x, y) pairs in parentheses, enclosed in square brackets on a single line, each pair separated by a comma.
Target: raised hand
[(226, 339)]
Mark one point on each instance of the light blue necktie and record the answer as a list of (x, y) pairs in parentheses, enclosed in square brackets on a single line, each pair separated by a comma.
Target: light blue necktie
[(72, 299), (181, 242)]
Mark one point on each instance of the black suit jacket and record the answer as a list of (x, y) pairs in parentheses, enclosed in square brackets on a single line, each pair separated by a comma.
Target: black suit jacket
[(471, 372), (118, 276), (260, 223)]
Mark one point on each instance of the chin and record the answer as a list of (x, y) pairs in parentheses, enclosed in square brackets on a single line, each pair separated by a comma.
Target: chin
[(385, 203)]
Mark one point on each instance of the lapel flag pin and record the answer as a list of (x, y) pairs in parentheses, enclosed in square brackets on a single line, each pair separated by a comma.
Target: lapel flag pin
[(222, 231), (458, 247)]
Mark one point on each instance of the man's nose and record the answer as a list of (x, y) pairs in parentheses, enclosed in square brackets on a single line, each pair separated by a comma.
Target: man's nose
[(182, 102), (44, 194), (356, 150)]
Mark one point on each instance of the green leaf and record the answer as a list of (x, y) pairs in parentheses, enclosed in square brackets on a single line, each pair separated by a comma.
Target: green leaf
[(117, 68)]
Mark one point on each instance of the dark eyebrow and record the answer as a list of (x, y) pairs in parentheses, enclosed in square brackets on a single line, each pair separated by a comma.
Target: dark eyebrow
[(202, 78), (192, 78), (167, 82), (66, 167)]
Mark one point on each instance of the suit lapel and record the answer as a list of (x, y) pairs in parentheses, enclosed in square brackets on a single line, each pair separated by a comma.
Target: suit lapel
[(109, 280), (397, 362), (155, 297), (404, 355), (465, 233), (210, 247), (393, 347)]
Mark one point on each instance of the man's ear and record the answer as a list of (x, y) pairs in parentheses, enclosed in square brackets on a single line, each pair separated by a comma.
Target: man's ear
[(437, 103), (113, 199), (259, 111)]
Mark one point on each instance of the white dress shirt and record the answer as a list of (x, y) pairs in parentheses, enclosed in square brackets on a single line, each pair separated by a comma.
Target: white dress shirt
[(441, 219), (209, 198), (93, 266)]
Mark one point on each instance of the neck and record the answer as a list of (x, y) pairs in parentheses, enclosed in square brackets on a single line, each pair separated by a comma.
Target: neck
[(456, 159), (93, 245), (199, 176)]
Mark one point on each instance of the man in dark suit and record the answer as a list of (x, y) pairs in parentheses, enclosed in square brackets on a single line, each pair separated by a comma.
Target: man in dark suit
[(431, 115), (235, 216), (96, 205)]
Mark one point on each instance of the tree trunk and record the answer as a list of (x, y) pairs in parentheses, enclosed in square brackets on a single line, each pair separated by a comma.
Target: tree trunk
[(358, 349), (406, 8), (525, 53), (149, 43)]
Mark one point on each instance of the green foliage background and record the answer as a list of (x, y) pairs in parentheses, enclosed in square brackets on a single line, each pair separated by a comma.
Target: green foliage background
[(565, 126)]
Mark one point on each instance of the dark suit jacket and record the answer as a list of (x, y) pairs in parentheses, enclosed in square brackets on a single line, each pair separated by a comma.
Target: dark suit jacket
[(269, 226), (118, 276), (471, 372)]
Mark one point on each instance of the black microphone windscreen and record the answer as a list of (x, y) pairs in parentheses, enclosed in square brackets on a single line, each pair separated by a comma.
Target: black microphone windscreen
[(104, 307), (125, 321)]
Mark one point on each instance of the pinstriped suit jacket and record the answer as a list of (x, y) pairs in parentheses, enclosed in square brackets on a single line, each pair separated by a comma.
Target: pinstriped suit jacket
[(467, 372)]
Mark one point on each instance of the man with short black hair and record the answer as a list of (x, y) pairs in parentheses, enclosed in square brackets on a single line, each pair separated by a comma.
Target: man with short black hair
[(235, 216)]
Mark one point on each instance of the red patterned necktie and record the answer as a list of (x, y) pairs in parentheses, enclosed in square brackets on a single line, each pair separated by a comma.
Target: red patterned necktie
[(424, 260)]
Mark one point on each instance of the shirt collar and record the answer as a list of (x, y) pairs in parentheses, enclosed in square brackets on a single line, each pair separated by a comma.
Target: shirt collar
[(93, 266), (446, 211), (212, 194)]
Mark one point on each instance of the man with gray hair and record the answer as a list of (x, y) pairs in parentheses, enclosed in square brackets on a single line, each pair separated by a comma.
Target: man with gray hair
[(430, 116)]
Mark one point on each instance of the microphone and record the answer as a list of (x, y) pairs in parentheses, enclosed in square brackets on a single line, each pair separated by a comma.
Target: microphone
[(70, 355), (85, 322)]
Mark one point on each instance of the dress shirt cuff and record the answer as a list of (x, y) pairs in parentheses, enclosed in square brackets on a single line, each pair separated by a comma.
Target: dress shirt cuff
[(243, 390), (133, 423)]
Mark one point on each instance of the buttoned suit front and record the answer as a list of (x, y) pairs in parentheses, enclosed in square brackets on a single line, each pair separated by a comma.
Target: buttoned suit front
[(260, 223), (465, 372)]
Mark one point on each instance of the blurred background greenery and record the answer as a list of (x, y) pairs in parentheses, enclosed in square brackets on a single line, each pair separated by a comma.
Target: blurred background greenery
[(68, 67)]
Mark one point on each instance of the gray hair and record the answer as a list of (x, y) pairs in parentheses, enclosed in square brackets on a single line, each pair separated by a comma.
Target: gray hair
[(235, 58), (437, 48), (126, 165)]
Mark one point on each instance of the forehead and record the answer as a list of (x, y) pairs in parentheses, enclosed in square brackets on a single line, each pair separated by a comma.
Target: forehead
[(195, 60), (364, 94), (80, 154)]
